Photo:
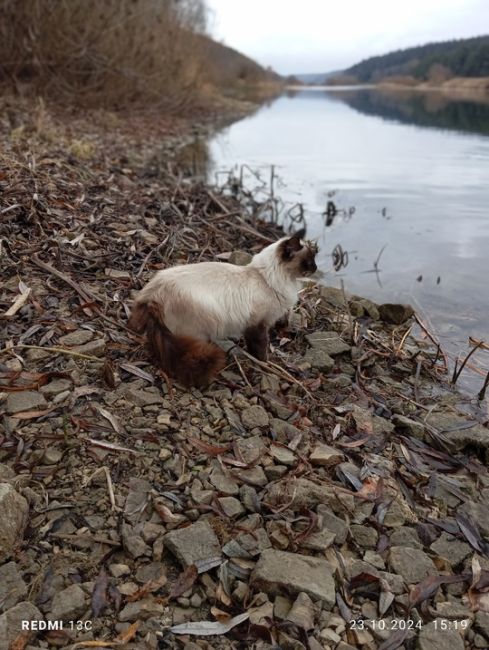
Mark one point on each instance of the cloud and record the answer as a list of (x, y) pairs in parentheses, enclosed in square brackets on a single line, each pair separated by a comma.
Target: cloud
[(323, 35)]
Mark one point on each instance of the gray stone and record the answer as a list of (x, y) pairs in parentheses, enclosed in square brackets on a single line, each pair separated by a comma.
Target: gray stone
[(364, 536), (432, 637), (231, 507), (319, 541), (451, 549), (6, 473), (395, 314), (333, 296), (153, 571), (11, 623), (405, 536), (277, 571), (141, 610), (334, 524), (253, 476), (196, 544), (482, 623), (26, 400), (367, 306), (68, 604), (302, 612), (223, 483), (325, 455), (119, 570), (319, 359), (52, 456), (14, 510), (94, 348), (133, 542), (78, 337), (413, 428), (143, 397), (283, 455), (251, 449), (55, 387), (255, 416), (303, 493), (285, 430), (329, 342), (479, 513), (12, 586), (412, 564)]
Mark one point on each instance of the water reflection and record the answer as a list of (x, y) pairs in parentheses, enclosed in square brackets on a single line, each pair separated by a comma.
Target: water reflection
[(408, 205), (467, 114)]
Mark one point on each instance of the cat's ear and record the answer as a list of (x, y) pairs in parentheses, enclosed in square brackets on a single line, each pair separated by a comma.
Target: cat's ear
[(293, 244)]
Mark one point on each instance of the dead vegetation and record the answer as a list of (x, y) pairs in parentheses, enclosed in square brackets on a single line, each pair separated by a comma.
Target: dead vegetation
[(294, 503)]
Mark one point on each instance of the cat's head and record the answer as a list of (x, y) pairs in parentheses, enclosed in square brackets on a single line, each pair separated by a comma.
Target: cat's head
[(298, 255)]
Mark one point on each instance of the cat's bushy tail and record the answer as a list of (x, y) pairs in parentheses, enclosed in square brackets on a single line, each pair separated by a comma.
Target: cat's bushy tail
[(190, 361)]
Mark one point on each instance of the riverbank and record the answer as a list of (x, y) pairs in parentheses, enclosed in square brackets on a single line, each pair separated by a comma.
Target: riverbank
[(286, 501)]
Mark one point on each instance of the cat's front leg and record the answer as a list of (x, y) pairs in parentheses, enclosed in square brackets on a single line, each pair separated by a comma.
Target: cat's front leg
[(256, 338)]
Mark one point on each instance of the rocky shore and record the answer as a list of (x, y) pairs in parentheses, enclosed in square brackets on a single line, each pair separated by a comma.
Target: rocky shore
[(333, 497)]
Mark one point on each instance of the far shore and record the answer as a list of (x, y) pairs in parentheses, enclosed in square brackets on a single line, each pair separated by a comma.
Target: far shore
[(478, 85)]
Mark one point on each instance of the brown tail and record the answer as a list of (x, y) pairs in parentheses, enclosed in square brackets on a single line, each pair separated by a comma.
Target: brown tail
[(190, 361)]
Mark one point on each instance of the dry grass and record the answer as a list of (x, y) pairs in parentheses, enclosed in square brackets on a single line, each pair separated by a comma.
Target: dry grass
[(111, 53)]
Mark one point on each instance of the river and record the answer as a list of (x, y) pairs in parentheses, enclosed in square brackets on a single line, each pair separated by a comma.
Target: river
[(408, 174)]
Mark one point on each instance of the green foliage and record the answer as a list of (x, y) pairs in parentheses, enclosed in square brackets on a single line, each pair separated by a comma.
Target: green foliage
[(463, 58)]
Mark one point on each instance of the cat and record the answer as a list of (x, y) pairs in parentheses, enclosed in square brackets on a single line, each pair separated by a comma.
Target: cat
[(184, 309)]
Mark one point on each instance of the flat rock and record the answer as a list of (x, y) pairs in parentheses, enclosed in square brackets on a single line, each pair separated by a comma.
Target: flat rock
[(141, 610), (395, 313), (95, 348), (364, 536), (334, 296), (11, 623), (6, 473), (255, 416), (412, 427), (303, 493), (142, 397), (329, 342), (231, 506), (432, 637), (55, 387), (278, 571), (319, 541), (68, 604), (223, 483), (12, 586), (196, 544), (478, 513), (14, 511), (318, 358), (451, 548), (26, 400), (302, 612), (78, 337), (411, 563), (331, 522), (282, 455), (325, 455)]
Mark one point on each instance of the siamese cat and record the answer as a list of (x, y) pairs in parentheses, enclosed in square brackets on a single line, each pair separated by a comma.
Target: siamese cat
[(184, 309)]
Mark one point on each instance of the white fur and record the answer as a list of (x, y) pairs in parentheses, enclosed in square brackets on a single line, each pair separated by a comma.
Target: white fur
[(214, 300)]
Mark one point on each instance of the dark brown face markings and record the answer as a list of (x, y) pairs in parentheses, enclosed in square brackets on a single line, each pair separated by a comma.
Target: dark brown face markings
[(308, 263), (297, 256), (256, 338)]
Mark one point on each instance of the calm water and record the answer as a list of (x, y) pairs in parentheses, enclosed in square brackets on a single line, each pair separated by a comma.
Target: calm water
[(414, 167)]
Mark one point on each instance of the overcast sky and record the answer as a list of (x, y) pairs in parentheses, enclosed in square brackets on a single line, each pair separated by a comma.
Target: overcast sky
[(298, 36)]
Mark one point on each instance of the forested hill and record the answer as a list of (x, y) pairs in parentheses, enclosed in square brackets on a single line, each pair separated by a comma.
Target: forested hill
[(461, 58)]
